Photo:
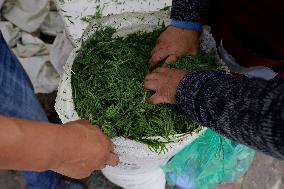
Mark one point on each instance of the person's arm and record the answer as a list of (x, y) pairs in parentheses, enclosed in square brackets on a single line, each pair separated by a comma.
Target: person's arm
[(189, 14), (74, 150), (249, 111)]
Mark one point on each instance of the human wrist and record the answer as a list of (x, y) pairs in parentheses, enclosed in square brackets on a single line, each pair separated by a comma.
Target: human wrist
[(67, 137), (55, 152), (194, 26), (46, 149), (63, 139), (190, 89)]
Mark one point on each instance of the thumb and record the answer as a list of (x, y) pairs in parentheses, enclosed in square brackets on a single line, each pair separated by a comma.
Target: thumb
[(112, 160), (156, 99)]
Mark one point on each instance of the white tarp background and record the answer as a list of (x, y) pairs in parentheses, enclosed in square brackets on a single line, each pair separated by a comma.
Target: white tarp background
[(22, 23)]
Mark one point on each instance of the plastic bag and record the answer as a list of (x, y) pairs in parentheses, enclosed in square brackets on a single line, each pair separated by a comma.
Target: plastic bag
[(207, 162)]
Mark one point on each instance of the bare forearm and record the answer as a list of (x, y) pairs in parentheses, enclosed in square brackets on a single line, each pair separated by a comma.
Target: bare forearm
[(27, 145), (74, 150)]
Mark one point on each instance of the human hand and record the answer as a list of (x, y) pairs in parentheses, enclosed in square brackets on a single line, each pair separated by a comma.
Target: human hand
[(173, 43), (82, 148), (164, 81)]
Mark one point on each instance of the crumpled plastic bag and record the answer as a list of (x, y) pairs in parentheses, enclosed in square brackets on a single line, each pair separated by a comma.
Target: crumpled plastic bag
[(209, 161)]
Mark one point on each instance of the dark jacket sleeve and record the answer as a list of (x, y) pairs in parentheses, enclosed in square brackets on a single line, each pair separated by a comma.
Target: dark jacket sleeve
[(190, 10), (249, 111)]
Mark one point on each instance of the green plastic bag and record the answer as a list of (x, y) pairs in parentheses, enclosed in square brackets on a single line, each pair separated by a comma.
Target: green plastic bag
[(209, 161)]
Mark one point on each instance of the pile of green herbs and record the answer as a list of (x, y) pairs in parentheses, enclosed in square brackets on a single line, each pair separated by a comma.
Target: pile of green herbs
[(107, 84)]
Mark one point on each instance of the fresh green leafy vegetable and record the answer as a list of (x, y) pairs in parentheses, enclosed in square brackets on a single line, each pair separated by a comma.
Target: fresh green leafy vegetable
[(107, 84)]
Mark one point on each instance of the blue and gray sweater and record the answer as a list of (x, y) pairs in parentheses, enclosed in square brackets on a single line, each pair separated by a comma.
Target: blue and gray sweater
[(249, 111)]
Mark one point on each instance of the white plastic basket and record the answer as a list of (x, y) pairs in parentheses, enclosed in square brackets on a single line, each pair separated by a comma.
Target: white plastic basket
[(139, 167)]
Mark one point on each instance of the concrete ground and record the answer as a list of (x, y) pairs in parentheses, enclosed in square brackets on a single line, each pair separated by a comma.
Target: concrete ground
[(265, 173)]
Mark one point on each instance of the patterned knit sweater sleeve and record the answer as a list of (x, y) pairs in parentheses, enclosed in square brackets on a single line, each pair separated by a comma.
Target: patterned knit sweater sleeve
[(190, 10), (249, 111)]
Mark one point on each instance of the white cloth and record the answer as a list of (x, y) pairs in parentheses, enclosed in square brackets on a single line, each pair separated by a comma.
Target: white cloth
[(60, 51), (30, 46), (52, 24), (1, 3), (42, 62), (53, 6), (26, 14), (44, 71), (42, 74), (10, 33)]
